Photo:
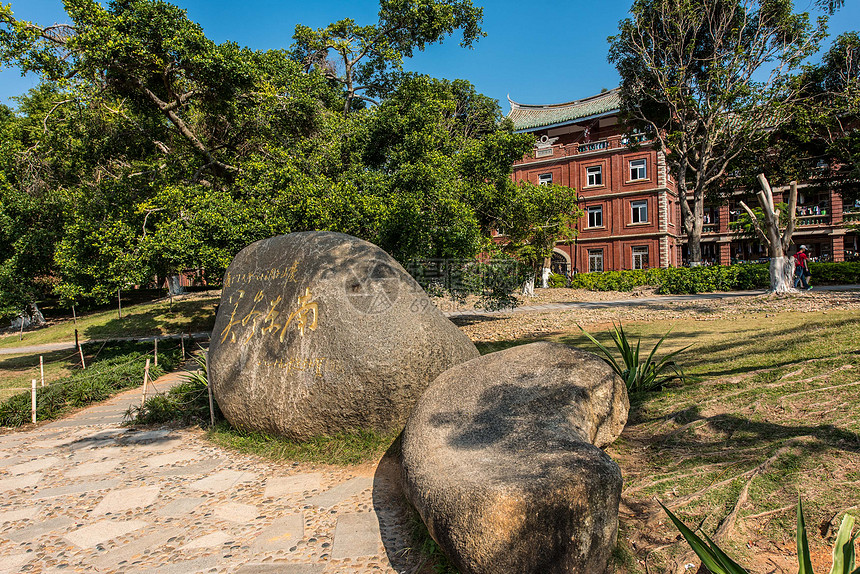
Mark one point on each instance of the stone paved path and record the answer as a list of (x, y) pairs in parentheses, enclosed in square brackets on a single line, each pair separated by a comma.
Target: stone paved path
[(85, 494)]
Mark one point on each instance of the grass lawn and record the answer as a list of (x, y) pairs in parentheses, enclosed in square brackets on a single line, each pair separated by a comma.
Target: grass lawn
[(768, 414), (16, 371), (191, 313)]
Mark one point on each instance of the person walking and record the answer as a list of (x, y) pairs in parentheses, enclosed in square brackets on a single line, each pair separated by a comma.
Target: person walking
[(801, 268)]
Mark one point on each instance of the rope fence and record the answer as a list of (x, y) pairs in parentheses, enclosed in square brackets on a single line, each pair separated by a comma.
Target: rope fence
[(151, 357)]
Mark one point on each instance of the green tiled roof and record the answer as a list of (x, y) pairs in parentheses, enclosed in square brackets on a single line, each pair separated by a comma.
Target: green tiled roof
[(527, 117)]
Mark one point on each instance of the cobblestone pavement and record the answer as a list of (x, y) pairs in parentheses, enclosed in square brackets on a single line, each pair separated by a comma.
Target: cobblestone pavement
[(85, 494)]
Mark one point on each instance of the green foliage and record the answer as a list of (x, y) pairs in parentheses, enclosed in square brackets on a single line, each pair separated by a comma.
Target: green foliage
[(718, 562), (703, 279), (342, 448), (120, 367), (536, 218), (555, 280), (428, 547), (372, 56), (638, 375), (149, 149), (186, 403)]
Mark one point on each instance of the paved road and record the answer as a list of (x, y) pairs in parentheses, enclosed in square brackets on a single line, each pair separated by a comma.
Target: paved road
[(633, 302), (85, 494), (48, 347)]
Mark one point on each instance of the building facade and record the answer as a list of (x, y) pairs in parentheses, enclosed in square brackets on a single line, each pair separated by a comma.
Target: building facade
[(630, 203), (632, 215)]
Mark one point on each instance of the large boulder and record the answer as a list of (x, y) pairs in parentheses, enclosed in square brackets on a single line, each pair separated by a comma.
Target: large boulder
[(322, 332), (501, 459)]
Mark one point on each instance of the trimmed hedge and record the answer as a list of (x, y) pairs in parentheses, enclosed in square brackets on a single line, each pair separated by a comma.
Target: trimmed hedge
[(687, 280)]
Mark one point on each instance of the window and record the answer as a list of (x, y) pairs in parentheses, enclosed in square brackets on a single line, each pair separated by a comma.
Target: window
[(640, 258), (595, 260), (638, 169), (545, 179), (594, 175), (595, 216), (639, 211)]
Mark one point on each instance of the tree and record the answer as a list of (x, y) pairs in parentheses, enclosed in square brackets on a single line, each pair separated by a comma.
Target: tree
[(538, 217), (708, 79), (829, 131), (148, 149), (776, 239), (369, 59)]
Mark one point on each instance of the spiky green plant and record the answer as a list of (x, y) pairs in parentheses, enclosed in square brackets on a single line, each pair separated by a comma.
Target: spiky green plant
[(639, 375), (718, 562)]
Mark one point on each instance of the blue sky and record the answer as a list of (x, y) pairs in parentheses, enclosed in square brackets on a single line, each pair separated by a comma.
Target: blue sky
[(537, 52)]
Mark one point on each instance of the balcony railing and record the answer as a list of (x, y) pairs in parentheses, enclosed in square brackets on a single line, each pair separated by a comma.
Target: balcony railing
[(610, 143), (851, 217), (710, 228), (807, 220), (593, 146)]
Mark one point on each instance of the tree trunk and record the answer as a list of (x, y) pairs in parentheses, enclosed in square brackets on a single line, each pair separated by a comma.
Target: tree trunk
[(544, 273), (529, 287), (36, 317), (781, 274), (694, 245), (174, 287)]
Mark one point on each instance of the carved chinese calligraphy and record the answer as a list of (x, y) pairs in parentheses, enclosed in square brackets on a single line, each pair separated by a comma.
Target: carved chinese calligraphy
[(305, 317)]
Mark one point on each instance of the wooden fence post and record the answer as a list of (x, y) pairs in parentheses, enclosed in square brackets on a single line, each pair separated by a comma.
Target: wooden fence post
[(33, 401), (74, 315), (182, 344), (145, 381), (119, 301), (156, 351), (42, 368), (209, 387)]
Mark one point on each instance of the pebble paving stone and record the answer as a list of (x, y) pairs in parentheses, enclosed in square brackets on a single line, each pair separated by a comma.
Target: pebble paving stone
[(85, 495), (281, 534), (341, 492), (95, 534), (357, 534), (277, 487)]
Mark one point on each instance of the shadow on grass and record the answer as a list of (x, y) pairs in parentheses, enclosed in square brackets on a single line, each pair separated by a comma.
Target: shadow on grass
[(181, 317), (755, 433)]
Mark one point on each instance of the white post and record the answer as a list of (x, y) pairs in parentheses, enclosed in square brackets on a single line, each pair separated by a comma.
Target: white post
[(182, 344), (81, 351), (145, 381), (42, 368), (33, 401), (156, 351)]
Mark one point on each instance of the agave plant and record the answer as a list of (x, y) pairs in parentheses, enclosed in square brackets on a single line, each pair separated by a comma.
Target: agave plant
[(718, 562), (639, 375)]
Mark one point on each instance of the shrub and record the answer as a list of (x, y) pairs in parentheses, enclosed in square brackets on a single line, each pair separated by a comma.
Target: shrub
[(186, 403), (639, 375), (555, 280), (690, 280)]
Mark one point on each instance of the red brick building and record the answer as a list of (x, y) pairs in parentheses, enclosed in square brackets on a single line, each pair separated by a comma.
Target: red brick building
[(632, 215)]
